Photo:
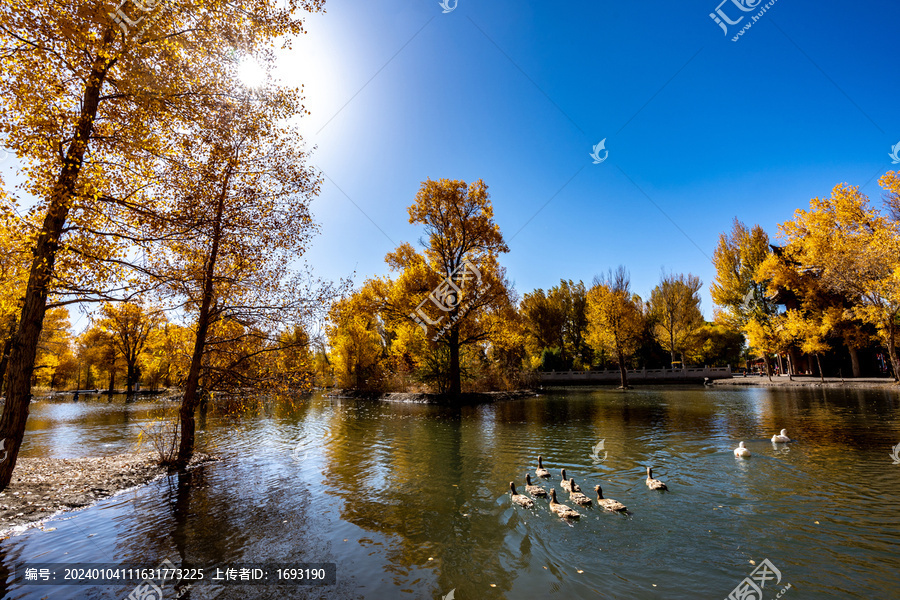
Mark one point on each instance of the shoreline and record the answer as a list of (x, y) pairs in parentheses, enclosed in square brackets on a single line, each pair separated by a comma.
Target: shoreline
[(809, 381), (42, 488), (467, 398)]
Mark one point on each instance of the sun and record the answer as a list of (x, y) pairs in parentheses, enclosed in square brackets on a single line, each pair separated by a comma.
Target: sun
[(251, 73)]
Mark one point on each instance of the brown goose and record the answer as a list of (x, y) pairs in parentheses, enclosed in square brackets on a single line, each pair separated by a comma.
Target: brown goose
[(541, 471), (561, 509), (566, 483), (578, 497), (518, 498), (534, 490), (654, 484), (608, 503)]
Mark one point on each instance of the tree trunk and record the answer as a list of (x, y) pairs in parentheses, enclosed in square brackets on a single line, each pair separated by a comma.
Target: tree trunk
[(34, 304), (112, 380), (563, 355), (4, 361), (854, 360), (623, 372), (672, 346), (455, 387), (793, 361), (767, 362), (819, 362), (191, 397), (129, 380), (892, 349)]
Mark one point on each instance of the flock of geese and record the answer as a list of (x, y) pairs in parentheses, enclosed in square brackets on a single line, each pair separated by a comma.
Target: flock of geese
[(577, 496)]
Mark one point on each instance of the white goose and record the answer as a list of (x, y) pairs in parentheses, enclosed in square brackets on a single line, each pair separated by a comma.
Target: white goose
[(741, 452), (781, 438)]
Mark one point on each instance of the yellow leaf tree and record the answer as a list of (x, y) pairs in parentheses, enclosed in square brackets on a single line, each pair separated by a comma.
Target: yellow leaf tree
[(231, 218), (129, 325), (455, 290), (854, 250), (737, 288), (675, 311), (810, 331), (87, 100), (615, 318), (357, 346), (55, 357)]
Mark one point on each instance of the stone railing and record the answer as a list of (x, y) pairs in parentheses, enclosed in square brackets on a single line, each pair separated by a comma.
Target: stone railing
[(689, 373)]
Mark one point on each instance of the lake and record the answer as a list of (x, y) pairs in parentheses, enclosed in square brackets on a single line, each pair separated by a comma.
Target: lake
[(410, 501)]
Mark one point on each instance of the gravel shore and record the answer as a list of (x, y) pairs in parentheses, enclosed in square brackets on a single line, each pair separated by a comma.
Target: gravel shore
[(43, 487)]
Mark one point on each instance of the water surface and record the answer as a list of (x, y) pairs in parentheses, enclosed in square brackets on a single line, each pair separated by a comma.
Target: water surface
[(410, 501)]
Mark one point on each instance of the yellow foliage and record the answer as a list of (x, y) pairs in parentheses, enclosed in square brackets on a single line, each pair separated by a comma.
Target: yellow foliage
[(853, 250), (736, 288), (615, 319)]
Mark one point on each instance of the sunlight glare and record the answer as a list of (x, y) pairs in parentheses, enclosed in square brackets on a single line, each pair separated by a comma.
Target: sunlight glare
[(251, 73)]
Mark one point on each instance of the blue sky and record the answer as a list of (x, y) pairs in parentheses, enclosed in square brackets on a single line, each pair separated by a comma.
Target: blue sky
[(699, 129)]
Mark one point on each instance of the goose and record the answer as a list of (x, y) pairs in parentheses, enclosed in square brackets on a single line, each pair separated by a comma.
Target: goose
[(654, 484), (741, 452), (541, 471), (518, 498), (566, 483), (578, 497), (608, 503), (781, 438), (534, 490), (561, 509)]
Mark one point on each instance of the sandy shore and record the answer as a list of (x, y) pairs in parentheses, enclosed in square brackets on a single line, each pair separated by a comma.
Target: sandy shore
[(43, 487), (807, 381)]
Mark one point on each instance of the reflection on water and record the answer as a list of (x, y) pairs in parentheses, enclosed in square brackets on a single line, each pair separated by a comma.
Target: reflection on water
[(410, 500)]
